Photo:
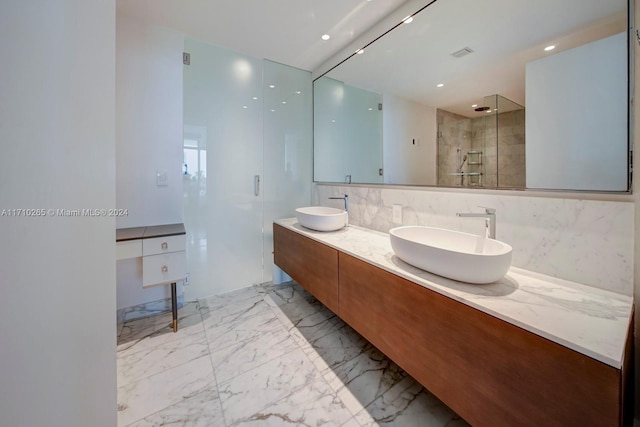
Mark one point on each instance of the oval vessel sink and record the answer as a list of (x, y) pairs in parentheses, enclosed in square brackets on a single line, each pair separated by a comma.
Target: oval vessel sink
[(453, 254), (321, 218)]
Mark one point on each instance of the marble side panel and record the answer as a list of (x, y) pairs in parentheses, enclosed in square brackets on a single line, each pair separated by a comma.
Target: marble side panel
[(584, 241)]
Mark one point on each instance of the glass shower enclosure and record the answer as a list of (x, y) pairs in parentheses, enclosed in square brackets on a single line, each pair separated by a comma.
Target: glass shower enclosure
[(485, 148)]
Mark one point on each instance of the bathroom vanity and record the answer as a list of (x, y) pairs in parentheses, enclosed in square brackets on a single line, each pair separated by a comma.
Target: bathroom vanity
[(163, 252), (527, 350)]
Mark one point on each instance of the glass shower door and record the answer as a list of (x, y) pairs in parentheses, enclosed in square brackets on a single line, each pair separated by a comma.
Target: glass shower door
[(223, 169)]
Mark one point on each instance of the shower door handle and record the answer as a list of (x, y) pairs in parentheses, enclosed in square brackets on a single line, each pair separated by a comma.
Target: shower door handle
[(256, 185)]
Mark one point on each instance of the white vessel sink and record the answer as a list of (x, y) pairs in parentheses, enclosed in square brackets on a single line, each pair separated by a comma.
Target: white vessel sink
[(453, 254), (321, 218)]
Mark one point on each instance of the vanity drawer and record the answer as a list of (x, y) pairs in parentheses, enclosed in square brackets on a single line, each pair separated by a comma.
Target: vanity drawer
[(164, 268), (128, 249), (160, 245)]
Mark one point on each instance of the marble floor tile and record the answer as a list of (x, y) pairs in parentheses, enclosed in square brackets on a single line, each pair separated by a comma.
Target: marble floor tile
[(139, 399), (245, 355), (203, 409), (135, 365), (148, 309), (285, 391), (408, 404), (263, 356), (153, 331), (233, 307), (221, 335), (363, 379)]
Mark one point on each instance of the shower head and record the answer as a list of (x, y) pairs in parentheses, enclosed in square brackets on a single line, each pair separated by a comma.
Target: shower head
[(464, 159)]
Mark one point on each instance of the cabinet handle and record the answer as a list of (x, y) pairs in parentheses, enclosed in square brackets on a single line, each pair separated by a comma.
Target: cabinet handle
[(164, 246), (165, 269), (256, 185)]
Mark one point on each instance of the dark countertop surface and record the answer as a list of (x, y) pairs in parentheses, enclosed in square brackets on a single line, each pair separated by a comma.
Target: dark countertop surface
[(134, 233)]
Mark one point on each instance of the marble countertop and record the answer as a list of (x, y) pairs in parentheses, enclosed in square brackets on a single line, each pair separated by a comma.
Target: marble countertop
[(588, 320)]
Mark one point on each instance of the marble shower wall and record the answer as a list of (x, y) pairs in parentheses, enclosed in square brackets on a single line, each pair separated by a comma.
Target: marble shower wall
[(499, 139), (585, 241)]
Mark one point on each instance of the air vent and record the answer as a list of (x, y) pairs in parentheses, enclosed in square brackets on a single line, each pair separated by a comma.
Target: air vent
[(462, 52)]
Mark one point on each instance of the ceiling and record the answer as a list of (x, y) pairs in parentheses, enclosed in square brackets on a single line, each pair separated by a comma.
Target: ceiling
[(504, 34), (285, 31)]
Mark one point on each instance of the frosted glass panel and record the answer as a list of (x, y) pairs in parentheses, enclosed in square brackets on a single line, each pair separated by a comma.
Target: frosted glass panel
[(223, 216), (576, 118), (348, 133), (288, 135)]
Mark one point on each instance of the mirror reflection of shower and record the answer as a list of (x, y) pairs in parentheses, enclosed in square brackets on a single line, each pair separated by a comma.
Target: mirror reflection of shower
[(460, 171), (485, 148)]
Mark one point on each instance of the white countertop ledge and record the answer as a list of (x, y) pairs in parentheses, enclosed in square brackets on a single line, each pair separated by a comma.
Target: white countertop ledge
[(589, 320)]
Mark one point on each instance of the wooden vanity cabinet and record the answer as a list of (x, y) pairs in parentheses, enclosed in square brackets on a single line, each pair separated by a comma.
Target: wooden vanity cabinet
[(490, 372), (313, 265)]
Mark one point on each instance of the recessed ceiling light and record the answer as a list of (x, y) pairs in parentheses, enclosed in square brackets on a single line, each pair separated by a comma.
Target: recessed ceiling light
[(474, 105), (273, 111), (244, 106), (548, 48), (360, 51), (272, 86), (370, 109), (440, 85), (284, 102), (255, 98), (408, 20), (326, 37), (298, 92)]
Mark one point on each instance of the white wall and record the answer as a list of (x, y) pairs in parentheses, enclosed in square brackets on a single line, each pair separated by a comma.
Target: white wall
[(149, 139), (635, 138), (149, 122), (410, 144), (57, 127), (576, 118)]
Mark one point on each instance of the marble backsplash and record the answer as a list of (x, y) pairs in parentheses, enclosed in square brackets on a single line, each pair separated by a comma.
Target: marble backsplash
[(585, 241)]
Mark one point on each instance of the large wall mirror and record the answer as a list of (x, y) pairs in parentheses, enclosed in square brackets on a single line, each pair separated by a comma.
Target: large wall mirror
[(483, 94)]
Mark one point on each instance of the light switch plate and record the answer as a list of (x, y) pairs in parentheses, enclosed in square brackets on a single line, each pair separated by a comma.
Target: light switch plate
[(162, 178), (397, 214)]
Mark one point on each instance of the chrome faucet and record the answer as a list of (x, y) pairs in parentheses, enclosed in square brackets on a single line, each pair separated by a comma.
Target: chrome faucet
[(346, 201), (346, 204), (490, 220)]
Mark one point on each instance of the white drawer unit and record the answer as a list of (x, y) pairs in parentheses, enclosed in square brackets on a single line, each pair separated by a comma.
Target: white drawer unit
[(163, 268), (161, 245), (163, 252)]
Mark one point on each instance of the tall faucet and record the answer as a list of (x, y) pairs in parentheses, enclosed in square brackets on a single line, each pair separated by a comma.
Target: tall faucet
[(346, 204), (490, 220)]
